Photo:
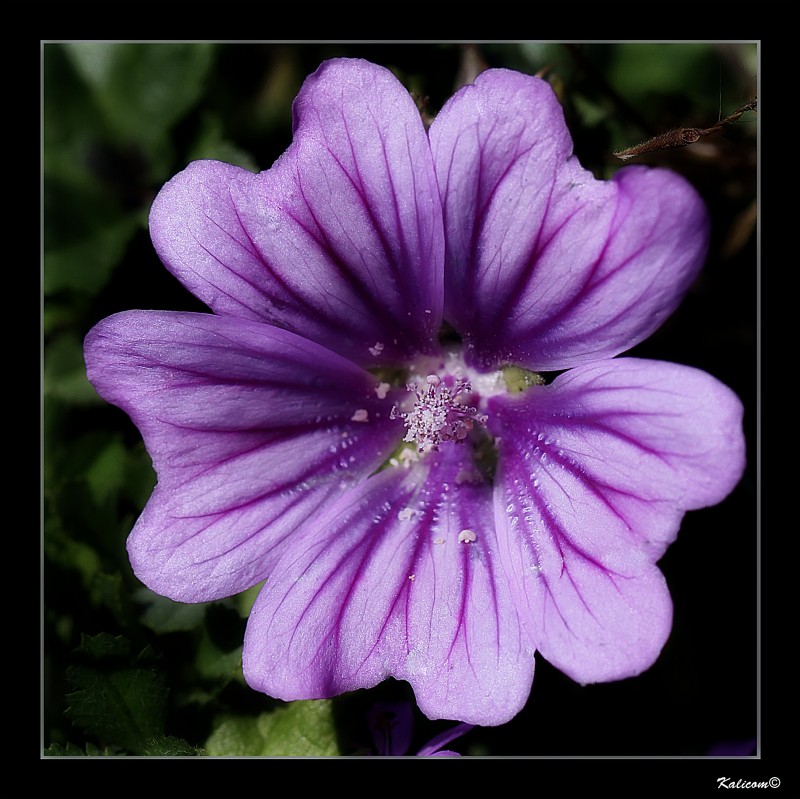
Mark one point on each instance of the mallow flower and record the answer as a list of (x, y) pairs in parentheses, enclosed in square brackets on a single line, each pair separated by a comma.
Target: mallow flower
[(405, 414), (391, 725)]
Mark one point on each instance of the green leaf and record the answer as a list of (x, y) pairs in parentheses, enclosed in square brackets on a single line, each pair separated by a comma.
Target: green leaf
[(163, 615), (85, 266), (140, 477), (104, 645), (71, 750), (244, 602), (211, 144), (302, 729), (94, 486), (65, 371), (59, 314), (109, 591), (214, 663), (67, 553), (118, 698), (642, 73), (591, 113), (169, 746), (106, 474), (72, 122), (143, 89)]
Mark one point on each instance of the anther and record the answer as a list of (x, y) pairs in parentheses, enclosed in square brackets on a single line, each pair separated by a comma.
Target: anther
[(439, 413)]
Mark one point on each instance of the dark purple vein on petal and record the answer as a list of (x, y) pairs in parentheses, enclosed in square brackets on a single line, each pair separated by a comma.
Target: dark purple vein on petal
[(370, 301), (590, 284), (241, 542)]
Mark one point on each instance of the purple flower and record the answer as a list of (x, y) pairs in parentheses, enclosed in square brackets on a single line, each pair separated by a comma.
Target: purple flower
[(361, 423), (391, 724)]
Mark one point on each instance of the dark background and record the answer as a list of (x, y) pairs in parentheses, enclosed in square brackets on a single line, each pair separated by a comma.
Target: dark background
[(121, 120)]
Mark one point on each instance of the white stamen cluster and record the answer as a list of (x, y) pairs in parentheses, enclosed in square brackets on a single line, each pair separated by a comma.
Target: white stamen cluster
[(439, 414)]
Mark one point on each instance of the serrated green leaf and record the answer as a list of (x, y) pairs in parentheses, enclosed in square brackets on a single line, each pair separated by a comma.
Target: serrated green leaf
[(169, 746), (123, 706), (96, 751), (117, 698), (302, 729), (71, 750), (95, 486), (104, 645)]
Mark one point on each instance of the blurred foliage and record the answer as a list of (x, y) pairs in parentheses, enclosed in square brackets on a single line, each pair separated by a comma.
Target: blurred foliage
[(299, 728), (131, 673)]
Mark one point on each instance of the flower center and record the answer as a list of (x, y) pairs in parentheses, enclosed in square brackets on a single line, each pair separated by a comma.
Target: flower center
[(441, 412)]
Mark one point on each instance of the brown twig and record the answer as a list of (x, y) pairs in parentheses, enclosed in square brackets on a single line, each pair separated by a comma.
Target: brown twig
[(680, 137)]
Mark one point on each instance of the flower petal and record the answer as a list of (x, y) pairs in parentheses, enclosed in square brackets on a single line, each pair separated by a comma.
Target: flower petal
[(434, 747), (391, 725), (340, 241), (596, 471), (547, 267), (382, 585), (250, 428)]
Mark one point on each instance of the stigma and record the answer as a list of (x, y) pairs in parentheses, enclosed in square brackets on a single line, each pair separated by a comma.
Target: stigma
[(441, 413)]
